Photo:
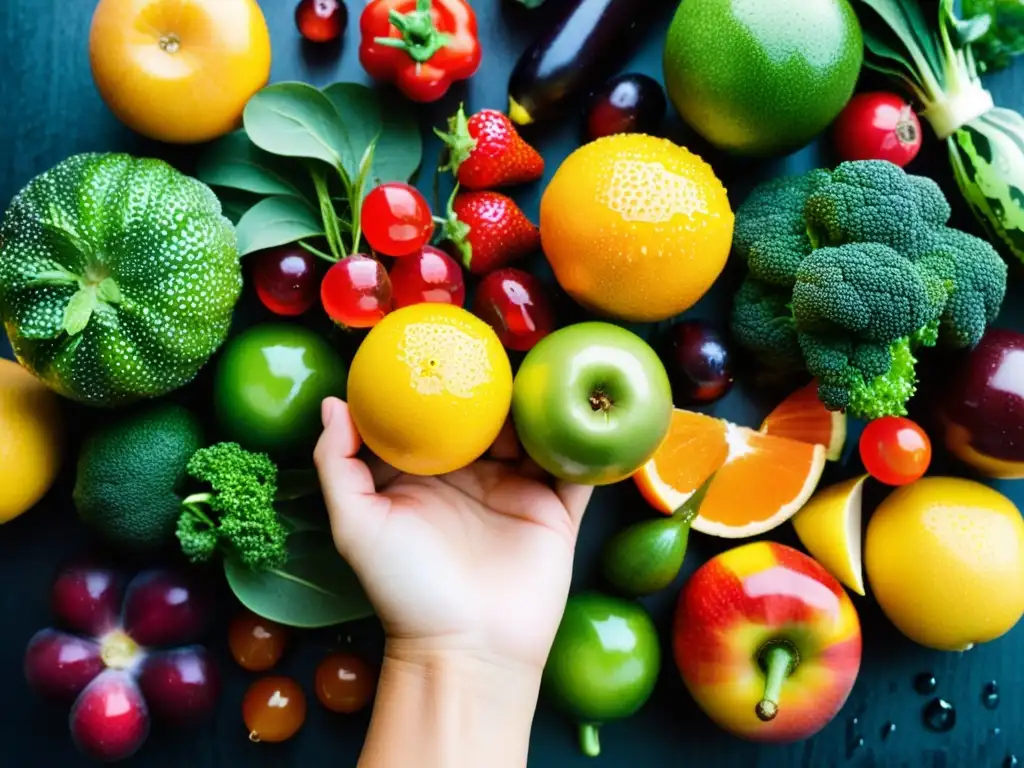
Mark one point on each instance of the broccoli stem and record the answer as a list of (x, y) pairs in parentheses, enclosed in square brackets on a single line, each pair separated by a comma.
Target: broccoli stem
[(194, 504)]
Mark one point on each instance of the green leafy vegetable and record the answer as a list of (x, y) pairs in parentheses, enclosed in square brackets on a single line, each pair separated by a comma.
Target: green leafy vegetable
[(276, 221), (1002, 31)]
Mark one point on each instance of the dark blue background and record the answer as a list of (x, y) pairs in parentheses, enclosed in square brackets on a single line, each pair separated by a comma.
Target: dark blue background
[(50, 110)]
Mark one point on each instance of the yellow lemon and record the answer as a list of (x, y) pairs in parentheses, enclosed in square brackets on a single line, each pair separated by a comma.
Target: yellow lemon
[(945, 560), (829, 527), (31, 447), (430, 388)]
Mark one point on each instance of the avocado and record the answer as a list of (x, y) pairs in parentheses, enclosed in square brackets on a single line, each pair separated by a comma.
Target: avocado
[(130, 473)]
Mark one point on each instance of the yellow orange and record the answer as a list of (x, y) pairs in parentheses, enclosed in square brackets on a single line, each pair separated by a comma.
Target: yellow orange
[(635, 227), (802, 416), (430, 388)]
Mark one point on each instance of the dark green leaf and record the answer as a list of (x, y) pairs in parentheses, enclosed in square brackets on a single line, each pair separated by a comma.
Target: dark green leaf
[(79, 310), (400, 146), (276, 221), (1004, 38), (359, 115), (315, 588), (236, 163), (901, 28)]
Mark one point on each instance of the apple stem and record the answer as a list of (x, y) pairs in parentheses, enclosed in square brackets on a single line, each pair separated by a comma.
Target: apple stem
[(779, 661), (589, 741), (599, 401)]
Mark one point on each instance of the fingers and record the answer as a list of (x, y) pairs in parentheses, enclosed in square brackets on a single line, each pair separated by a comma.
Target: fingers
[(575, 498)]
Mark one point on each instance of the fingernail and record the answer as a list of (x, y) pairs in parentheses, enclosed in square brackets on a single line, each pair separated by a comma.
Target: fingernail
[(327, 411)]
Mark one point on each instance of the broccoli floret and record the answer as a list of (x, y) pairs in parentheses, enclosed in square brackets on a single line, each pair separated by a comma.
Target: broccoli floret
[(931, 203), (865, 289), (763, 323), (887, 394), (238, 514)]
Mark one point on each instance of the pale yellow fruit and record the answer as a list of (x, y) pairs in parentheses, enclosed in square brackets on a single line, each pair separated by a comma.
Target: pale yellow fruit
[(829, 527)]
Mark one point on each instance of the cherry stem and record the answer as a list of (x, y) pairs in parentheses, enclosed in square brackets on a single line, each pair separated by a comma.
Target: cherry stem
[(690, 508), (779, 659), (590, 744)]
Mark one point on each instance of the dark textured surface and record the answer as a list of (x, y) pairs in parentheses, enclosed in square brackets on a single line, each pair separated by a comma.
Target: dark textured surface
[(50, 110)]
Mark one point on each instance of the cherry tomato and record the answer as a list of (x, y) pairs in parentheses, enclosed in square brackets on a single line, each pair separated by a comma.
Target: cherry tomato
[(273, 709), (285, 279), (428, 276), (321, 21), (256, 643), (356, 292), (895, 451), (877, 126), (396, 219), (345, 683)]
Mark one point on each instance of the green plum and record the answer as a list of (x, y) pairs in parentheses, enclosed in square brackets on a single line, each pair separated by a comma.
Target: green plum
[(591, 403), (269, 384), (603, 664)]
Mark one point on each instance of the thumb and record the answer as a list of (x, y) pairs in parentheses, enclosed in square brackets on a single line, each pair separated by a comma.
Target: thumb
[(355, 509)]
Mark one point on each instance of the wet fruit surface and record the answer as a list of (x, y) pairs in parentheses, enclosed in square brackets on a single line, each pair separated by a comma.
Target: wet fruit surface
[(345, 682), (274, 709), (430, 275), (895, 450), (396, 219), (515, 304), (285, 279), (698, 363), (110, 720), (356, 292), (256, 643)]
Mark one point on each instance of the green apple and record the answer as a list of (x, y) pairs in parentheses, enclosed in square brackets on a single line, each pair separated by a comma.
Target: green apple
[(591, 403)]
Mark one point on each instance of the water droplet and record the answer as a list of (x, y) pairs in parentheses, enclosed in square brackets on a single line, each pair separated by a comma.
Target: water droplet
[(996, 731), (1011, 761), (990, 695), (939, 715), (888, 730), (854, 741), (925, 683)]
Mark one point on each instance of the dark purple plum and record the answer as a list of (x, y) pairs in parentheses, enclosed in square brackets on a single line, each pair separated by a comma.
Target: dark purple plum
[(164, 608), (59, 666), (629, 103), (181, 685), (698, 363), (109, 720), (87, 599)]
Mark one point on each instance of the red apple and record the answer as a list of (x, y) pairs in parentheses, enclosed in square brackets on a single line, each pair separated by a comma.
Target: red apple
[(983, 411), (767, 642)]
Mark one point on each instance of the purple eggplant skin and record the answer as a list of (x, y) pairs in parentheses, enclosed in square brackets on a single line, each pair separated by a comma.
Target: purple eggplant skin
[(583, 48)]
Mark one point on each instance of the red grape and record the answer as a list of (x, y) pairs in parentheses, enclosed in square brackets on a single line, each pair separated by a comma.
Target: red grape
[(895, 450), (87, 599), (59, 666), (163, 608), (273, 709), (345, 683), (256, 643), (356, 292), (396, 219), (698, 363), (285, 279), (428, 276), (515, 304), (110, 721), (321, 21), (181, 685)]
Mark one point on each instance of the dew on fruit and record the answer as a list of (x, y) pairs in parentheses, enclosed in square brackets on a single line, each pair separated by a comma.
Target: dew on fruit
[(939, 716), (888, 730), (990, 695), (925, 683)]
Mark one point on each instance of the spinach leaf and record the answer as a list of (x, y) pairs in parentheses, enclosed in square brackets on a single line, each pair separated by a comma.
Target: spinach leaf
[(276, 221), (234, 162), (1004, 38), (315, 588), (360, 117), (399, 149)]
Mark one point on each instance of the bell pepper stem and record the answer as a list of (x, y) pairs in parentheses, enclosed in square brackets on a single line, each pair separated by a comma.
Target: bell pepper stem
[(590, 743), (779, 660), (420, 37)]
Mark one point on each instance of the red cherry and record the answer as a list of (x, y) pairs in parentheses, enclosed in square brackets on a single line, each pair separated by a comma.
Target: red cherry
[(164, 608), (515, 304), (285, 279), (58, 666), (321, 21), (87, 599), (396, 219), (109, 720), (345, 683), (428, 276), (180, 685), (356, 292)]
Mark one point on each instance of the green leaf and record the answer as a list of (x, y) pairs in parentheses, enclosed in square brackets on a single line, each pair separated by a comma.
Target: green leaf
[(109, 291), (1004, 38), (79, 310), (276, 221), (359, 115), (315, 588), (296, 120), (400, 146), (235, 162)]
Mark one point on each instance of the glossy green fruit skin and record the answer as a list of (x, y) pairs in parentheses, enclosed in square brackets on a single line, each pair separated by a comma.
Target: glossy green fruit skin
[(645, 557), (551, 403), (762, 77), (605, 659), (268, 387)]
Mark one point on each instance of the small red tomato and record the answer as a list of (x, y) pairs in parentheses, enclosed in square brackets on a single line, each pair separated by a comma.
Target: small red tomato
[(356, 292), (877, 126), (895, 450), (256, 643), (345, 683), (428, 276), (396, 219), (515, 304), (321, 21)]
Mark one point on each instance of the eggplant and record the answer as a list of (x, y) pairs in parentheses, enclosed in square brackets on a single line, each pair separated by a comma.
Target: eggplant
[(584, 47)]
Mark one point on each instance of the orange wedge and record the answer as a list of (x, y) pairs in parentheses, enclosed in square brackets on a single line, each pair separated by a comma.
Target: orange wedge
[(803, 417), (760, 481)]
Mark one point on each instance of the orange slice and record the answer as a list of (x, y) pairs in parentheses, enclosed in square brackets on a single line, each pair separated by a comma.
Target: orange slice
[(761, 480), (803, 417)]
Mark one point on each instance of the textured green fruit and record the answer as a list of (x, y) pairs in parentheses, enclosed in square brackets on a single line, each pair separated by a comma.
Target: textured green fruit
[(762, 77), (130, 474), (646, 557), (118, 277)]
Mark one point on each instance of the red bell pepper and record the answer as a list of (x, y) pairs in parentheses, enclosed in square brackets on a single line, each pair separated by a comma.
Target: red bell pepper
[(422, 46)]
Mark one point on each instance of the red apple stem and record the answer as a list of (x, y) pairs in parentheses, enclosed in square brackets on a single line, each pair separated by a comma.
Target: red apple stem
[(590, 744), (779, 660)]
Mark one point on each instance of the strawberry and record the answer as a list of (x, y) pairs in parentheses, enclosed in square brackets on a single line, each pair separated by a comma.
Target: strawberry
[(486, 151), (488, 230)]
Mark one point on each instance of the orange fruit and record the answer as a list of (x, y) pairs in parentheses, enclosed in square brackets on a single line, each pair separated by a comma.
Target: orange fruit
[(760, 480), (179, 71), (635, 227), (802, 416), (430, 388)]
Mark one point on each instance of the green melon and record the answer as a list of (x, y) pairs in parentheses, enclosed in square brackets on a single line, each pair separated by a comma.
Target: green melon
[(762, 77)]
